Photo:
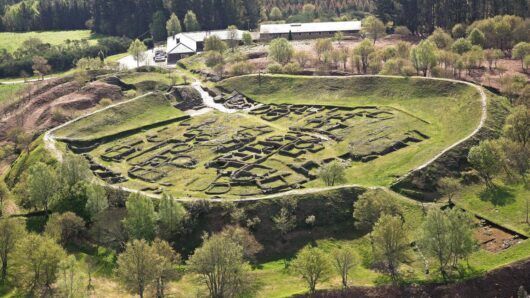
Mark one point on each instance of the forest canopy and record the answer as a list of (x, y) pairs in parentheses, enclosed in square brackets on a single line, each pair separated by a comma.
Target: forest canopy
[(133, 18)]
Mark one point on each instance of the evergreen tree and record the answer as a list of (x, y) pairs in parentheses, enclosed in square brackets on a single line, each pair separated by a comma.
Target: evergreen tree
[(158, 26), (190, 22), (173, 26)]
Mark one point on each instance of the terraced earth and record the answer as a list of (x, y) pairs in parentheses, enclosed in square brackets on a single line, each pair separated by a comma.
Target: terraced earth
[(276, 141)]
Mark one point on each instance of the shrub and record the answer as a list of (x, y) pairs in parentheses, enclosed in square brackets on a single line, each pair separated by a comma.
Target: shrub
[(247, 38), (461, 46), (402, 30), (274, 68), (214, 58), (241, 68), (105, 102), (292, 68)]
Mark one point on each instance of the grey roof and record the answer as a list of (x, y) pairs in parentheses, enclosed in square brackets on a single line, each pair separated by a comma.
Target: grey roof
[(310, 27), (186, 42)]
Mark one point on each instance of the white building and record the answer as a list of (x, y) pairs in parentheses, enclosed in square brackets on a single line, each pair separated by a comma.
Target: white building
[(308, 30), (188, 43)]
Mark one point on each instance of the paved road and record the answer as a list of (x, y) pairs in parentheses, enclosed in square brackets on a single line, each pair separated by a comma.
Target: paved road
[(128, 62), (50, 145)]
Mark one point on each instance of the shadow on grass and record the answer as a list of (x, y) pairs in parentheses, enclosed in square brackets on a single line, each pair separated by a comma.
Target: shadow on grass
[(498, 196)]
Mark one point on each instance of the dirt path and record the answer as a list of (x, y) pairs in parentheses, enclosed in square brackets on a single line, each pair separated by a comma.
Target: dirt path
[(50, 144)]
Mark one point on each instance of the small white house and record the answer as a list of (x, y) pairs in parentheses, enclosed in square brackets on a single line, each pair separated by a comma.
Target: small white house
[(189, 43)]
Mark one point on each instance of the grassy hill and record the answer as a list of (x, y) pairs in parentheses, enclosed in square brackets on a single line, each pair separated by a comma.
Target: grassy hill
[(130, 115), (451, 110)]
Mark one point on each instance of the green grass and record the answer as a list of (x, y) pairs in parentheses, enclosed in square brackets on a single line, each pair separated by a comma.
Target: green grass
[(9, 92), (130, 115), (12, 41), (505, 206), (164, 78), (452, 110)]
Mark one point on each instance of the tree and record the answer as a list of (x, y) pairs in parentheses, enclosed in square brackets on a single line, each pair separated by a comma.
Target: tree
[(167, 268), (441, 39), (447, 236), (517, 125), (514, 86), (241, 236), (373, 28), (137, 50), (302, 57), (41, 66), (214, 43), (423, 57), (281, 50), (42, 185), (520, 51), (476, 37), (486, 159), (73, 169), (459, 31), (233, 37), (313, 265), (223, 271), (158, 26), (344, 259), (517, 158), (370, 206), (140, 220), (284, 221), (70, 281), (461, 46), (171, 216), (247, 38), (521, 292), (138, 266), (97, 200), (332, 173), (173, 26), (323, 46), (36, 264), (492, 55), (363, 50), (11, 231), (308, 11), (449, 187), (64, 228), (391, 244), (4, 194), (275, 14), (190, 22)]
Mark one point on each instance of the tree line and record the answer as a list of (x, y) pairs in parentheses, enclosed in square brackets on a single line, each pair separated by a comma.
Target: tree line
[(58, 57)]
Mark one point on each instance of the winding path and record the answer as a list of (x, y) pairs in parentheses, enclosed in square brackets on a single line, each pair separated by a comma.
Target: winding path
[(50, 143)]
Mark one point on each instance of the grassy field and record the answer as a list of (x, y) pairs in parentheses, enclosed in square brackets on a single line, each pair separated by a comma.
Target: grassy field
[(8, 92), (505, 206), (12, 40), (452, 111), (137, 113)]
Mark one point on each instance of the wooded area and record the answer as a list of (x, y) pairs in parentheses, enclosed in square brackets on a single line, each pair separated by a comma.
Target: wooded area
[(133, 18)]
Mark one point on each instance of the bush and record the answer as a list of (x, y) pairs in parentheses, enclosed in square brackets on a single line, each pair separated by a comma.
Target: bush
[(402, 30), (274, 68), (461, 46), (292, 68), (247, 38), (214, 58), (105, 102), (241, 68)]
